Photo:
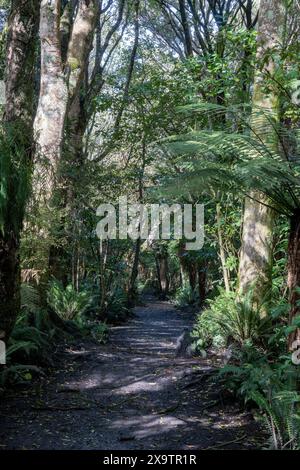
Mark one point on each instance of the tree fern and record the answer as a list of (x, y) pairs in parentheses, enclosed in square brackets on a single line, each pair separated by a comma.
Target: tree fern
[(233, 161), (30, 299)]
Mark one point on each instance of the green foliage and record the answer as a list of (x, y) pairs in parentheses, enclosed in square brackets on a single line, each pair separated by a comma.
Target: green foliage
[(282, 418), (15, 177), (116, 309), (206, 330), (272, 387), (99, 332), (31, 340), (67, 302), (186, 296), (30, 299), (228, 320), (19, 374), (236, 162), (33, 332), (245, 322)]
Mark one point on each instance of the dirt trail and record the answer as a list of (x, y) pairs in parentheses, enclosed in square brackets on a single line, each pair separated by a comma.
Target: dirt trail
[(130, 394)]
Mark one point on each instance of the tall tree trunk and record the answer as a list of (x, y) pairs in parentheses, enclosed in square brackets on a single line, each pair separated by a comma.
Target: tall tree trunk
[(49, 123), (186, 29), (256, 250), (184, 272), (192, 268), (103, 253), (222, 249), (163, 274), (294, 274), (202, 280), (18, 118), (132, 291), (60, 85)]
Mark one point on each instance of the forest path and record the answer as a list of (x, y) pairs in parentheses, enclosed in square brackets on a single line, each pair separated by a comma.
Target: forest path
[(132, 393)]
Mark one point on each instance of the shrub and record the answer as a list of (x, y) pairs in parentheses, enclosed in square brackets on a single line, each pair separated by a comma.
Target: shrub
[(244, 322), (67, 302), (99, 332), (30, 299), (272, 387), (281, 418), (186, 296), (207, 331), (116, 309), (228, 320)]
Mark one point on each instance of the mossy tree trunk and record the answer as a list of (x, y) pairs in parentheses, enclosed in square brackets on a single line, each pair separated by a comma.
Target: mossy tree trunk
[(294, 275), (255, 266), (163, 272), (16, 157), (59, 87)]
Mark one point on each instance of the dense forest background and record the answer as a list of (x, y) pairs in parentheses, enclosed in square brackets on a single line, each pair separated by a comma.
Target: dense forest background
[(164, 101)]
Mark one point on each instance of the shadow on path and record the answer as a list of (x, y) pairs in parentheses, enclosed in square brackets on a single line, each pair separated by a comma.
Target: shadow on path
[(130, 394)]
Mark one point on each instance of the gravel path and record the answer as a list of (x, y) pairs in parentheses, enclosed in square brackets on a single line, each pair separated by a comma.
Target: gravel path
[(130, 394)]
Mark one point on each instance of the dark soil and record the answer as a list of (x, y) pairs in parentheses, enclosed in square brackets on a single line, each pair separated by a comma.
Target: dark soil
[(132, 393)]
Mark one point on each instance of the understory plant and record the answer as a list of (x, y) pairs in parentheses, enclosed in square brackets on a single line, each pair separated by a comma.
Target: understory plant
[(228, 320), (272, 385), (67, 302), (30, 342), (116, 309), (186, 296)]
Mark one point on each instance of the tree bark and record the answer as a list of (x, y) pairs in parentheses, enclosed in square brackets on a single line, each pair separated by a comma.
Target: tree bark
[(52, 105), (79, 48), (186, 29), (18, 119), (202, 275), (163, 274), (222, 249), (132, 291), (294, 274), (48, 127), (60, 85), (184, 272), (255, 265)]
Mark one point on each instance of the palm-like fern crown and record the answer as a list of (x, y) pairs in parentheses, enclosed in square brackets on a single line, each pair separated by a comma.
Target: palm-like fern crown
[(249, 154)]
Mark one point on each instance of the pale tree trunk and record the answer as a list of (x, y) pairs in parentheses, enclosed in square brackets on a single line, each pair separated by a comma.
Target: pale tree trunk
[(255, 265), (132, 294), (103, 255), (222, 253), (80, 45), (18, 119), (132, 290), (59, 87), (52, 105), (48, 127), (162, 267), (80, 112), (184, 274)]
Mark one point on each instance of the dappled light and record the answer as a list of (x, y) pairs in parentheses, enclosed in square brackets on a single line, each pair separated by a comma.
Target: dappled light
[(149, 229)]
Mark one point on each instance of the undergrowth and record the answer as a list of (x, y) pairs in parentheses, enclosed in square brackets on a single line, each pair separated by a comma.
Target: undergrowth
[(259, 372), (36, 337)]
